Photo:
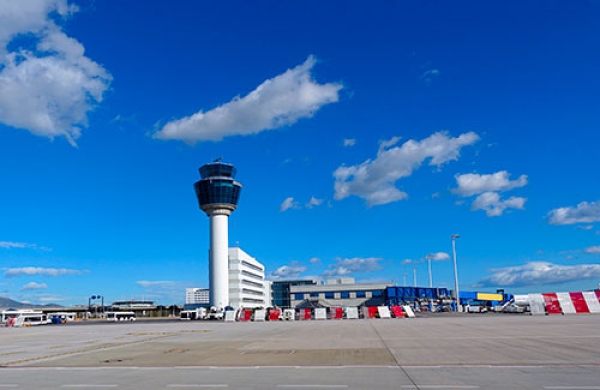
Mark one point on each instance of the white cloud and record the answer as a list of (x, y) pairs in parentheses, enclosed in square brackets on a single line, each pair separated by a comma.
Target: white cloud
[(22, 245), (584, 213), (287, 204), (593, 249), (493, 206), (374, 180), (438, 256), (349, 142), (471, 183), (488, 187), (314, 202), (428, 76), (11, 244), (314, 260), (277, 102), (47, 84), (30, 271), (344, 267), (34, 286), (291, 271), (540, 273)]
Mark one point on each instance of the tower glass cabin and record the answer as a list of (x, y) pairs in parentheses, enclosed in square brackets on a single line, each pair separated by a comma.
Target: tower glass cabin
[(218, 194), (217, 189)]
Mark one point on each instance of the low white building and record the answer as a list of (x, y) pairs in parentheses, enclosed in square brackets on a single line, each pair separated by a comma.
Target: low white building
[(195, 296), (247, 285)]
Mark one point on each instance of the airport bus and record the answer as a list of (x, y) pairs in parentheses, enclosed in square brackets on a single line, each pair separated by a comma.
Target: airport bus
[(25, 316), (117, 316)]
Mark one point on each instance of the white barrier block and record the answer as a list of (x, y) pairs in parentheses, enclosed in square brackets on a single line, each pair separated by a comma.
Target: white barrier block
[(592, 301), (566, 304), (259, 315), (384, 312), (320, 313), (230, 316), (537, 305), (289, 314), (365, 312), (352, 313), (409, 311)]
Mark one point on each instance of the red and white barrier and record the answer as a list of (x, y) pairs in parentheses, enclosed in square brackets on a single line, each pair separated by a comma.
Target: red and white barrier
[(565, 303), (352, 313), (384, 312), (593, 301)]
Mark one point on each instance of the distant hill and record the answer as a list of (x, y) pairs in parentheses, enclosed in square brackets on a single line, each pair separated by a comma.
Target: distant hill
[(6, 303), (9, 303)]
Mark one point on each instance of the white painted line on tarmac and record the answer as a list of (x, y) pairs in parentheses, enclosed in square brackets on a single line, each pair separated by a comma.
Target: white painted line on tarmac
[(6, 385), (88, 386), (313, 386), (439, 387), (196, 385), (572, 387)]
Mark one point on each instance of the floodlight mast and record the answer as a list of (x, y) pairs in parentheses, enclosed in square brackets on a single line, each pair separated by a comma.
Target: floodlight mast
[(218, 194), (456, 290)]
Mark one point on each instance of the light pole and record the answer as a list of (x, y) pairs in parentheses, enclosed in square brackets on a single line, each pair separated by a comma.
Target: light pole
[(430, 281), (404, 279), (456, 290), (430, 274), (415, 275)]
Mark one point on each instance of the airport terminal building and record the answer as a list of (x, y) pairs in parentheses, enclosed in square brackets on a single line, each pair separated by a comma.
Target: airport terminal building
[(338, 292)]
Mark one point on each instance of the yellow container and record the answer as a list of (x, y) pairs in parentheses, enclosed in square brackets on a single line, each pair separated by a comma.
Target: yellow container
[(489, 297)]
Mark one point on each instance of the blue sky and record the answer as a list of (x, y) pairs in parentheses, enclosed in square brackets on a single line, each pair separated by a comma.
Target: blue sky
[(364, 136)]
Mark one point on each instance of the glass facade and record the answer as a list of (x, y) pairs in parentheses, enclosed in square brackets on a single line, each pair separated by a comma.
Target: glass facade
[(220, 191), (281, 291), (216, 169), (217, 185)]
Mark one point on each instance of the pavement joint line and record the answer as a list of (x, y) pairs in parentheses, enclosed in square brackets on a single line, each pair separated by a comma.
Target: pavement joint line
[(183, 385), (419, 387), (572, 387), (314, 386), (81, 350)]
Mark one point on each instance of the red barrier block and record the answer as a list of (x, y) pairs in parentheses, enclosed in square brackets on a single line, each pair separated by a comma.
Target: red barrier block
[(336, 313), (551, 303), (397, 311), (305, 314), (274, 314), (373, 311), (579, 302), (245, 315)]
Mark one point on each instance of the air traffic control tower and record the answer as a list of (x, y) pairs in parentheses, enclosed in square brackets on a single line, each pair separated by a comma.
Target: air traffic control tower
[(218, 195)]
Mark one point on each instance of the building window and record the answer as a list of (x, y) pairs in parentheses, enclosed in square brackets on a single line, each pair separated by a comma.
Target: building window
[(345, 295), (376, 293), (298, 297), (361, 294), (329, 295), (314, 295)]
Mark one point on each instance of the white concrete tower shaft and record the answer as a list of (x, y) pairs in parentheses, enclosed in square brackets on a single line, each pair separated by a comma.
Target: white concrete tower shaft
[(218, 262)]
